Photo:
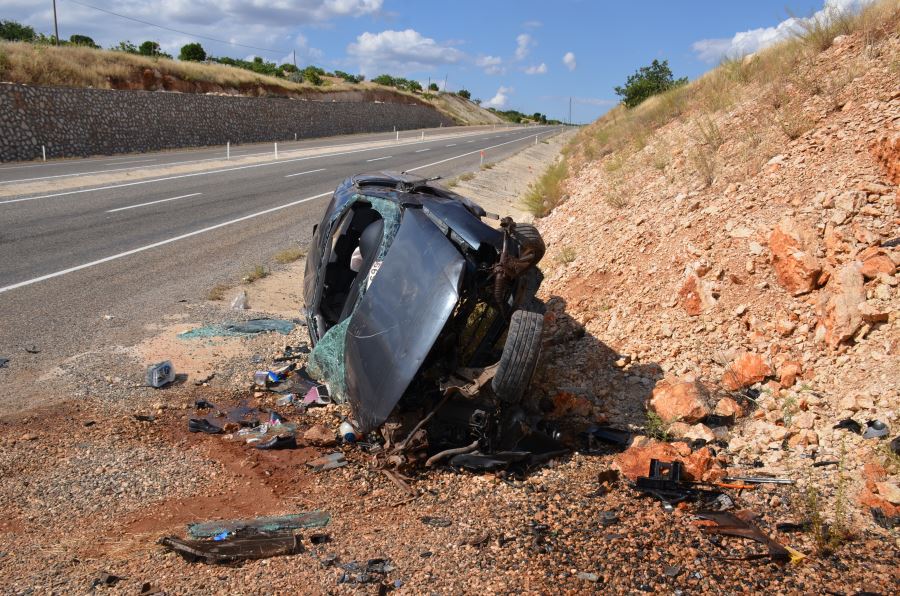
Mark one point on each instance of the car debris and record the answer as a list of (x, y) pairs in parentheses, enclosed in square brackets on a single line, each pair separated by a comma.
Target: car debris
[(849, 424), (105, 579), (793, 526), (606, 434), (265, 524), (739, 524), (293, 353), (875, 429), (885, 521), (328, 462), (759, 480), (432, 326), (251, 327), (160, 374), (895, 445), (240, 301), (664, 482), (3, 362), (372, 571), (238, 547)]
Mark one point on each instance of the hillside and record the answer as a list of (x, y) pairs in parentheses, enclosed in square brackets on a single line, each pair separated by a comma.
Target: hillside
[(76, 66), (732, 246)]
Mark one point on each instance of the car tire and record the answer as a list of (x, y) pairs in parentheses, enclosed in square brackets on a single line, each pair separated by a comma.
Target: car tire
[(520, 356), (529, 238), (529, 284)]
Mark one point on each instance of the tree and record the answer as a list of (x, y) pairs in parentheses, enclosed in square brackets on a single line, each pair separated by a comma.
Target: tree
[(125, 46), (83, 40), (192, 52), (386, 80), (433, 87), (648, 81), (13, 31), (151, 48), (464, 94), (313, 75)]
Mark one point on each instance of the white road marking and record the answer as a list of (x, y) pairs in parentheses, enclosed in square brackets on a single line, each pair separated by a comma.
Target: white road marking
[(421, 150), (118, 163), (160, 243), (428, 165), (380, 158), (70, 175), (470, 141), (307, 172), (450, 145), (154, 202)]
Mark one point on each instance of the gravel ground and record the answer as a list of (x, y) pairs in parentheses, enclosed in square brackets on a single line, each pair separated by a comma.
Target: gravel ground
[(90, 489)]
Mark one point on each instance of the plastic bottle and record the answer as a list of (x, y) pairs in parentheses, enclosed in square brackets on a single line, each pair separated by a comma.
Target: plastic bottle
[(348, 432)]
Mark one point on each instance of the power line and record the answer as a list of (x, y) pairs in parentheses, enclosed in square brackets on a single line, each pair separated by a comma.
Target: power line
[(231, 43)]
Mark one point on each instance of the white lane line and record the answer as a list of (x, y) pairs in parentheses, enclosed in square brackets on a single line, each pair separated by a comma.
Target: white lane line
[(421, 150), (160, 243), (428, 165), (70, 175), (118, 163), (380, 158), (307, 172), (450, 145), (470, 141), (154, 202)]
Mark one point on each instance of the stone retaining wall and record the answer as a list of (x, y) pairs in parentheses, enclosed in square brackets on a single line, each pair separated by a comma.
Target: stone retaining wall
[(73, 122)]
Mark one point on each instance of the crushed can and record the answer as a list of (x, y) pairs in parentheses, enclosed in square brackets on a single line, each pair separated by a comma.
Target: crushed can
[(160, 374)]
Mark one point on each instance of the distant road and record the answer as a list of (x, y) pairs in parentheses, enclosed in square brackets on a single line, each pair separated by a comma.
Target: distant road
[(133, 250)]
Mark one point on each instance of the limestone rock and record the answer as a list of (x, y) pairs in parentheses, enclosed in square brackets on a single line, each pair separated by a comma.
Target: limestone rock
[(745, 370), (680, 401), (840, 316), (793, 247)]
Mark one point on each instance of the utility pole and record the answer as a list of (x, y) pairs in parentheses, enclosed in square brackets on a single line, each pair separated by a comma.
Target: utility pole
[(570, 111), (445, 82), (295, 58), (55, 25)]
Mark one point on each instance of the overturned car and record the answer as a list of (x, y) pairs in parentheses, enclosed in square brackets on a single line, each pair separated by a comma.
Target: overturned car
[(422, 315)]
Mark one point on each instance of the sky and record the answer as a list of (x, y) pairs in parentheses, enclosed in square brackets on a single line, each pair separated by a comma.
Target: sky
[(527, 55)]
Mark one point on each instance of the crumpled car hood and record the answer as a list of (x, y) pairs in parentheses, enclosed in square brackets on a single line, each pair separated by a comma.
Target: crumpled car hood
[(399, 318)]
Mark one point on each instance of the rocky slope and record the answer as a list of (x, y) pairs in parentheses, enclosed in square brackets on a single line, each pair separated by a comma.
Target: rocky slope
[(741, 259)]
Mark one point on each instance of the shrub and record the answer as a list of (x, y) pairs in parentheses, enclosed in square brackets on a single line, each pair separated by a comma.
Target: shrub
[(433, 87), (83, 40), (192, 52), (703, 160), (289, 255), (14, 31), (547, 192), (648, 81), (464, 93), (313, 75)]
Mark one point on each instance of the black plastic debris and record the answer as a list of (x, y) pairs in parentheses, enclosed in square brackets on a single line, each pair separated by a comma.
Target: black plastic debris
[(373, 571), (827, 462), (202, 404), (437, 522), (105, 579), (144, 418), (786, 527), (237, 548), (895, 445), (202, 425), (664, 482), (731, 524), (715, 420), (3, 362), (875, 429), (607, 434), (849, 424), (479, 462), (285, 441)]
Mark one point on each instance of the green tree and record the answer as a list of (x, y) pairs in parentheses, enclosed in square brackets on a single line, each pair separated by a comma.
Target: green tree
[(13, 31), (464, 94), (125, 46), (384, 79), (192, 52), (433, 87), (83, 40), (151, 48), (648, 81), (313, 75)]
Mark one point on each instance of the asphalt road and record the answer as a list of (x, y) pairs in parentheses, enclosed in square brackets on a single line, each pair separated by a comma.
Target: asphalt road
[(135, 250)]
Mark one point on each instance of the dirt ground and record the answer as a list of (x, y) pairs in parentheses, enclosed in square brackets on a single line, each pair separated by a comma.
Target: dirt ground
[(89, 489)]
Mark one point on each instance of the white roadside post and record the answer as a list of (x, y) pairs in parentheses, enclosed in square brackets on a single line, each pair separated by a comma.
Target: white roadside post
[(227, 149), (295, 136), (482, 158), (44, 152), (276, 150), (423, 135)]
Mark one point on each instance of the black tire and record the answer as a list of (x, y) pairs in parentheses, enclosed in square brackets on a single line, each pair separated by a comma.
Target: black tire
[(529, 238), (529, 284), (520, 356)]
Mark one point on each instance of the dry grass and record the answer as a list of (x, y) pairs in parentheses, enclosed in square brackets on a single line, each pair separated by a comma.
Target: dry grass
[(548, 191), (258, 272), (466, 177), (794, 122), (217, 292), (566, 255), (704, 163), (289, 255)]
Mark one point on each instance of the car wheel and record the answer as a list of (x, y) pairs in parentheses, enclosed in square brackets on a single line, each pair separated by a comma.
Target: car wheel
[(529, 239), (520, 356), (529, 284)]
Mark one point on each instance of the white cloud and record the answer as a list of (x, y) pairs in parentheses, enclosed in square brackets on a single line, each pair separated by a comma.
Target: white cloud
[(524, 43), (569, 60), (532, 24), (536, 69), (748, 42), (500, 99), (400, 52), (271, 24), (492, 65)]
